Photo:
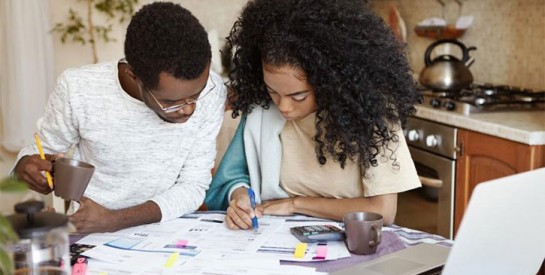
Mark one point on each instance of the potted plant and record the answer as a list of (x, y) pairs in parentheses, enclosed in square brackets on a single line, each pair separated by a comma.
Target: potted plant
[(85, 29), (9, 184)]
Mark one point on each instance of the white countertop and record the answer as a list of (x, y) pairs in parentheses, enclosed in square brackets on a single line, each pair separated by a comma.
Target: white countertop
[(526, 127)]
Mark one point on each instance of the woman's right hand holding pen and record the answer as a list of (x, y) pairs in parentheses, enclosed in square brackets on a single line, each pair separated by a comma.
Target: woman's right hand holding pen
[(240, 212), (29, 169)]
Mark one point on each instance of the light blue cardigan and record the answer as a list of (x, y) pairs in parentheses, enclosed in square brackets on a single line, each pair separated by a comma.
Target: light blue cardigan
[(253, 158)]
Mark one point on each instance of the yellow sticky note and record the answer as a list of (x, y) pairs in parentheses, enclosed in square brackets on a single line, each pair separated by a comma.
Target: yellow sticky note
[(300, 250), (102, 273), (171, 260)]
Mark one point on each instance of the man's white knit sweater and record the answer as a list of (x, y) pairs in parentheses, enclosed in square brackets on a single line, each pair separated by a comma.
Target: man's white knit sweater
[(138, 156)]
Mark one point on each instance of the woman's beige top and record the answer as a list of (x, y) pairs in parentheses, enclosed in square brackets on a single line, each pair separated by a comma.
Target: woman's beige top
[(302, 175)]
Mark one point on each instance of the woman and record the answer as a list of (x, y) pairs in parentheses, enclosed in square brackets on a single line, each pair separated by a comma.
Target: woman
[(323, 88)]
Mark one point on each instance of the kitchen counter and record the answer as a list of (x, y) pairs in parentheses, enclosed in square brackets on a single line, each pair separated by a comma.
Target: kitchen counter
[(526, 127)]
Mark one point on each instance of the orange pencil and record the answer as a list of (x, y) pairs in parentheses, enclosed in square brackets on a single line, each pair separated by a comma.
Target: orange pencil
[(42, 156)]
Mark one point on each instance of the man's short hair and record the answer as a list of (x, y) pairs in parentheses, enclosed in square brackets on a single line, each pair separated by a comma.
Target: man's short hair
[(165, 37)]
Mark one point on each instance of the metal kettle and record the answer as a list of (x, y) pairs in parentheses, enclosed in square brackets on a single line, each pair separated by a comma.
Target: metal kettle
[(447, 72)]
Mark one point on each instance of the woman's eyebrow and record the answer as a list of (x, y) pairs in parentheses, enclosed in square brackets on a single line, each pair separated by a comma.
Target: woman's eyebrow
[(292, 94)]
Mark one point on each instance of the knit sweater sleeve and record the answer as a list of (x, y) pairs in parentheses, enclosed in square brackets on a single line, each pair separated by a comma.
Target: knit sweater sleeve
[(59, 127)]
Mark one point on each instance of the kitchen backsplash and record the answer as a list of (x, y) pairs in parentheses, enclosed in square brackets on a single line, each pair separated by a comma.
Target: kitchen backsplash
[(509, 36)]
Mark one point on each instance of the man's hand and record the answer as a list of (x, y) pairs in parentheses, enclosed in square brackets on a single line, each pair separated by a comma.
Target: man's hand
[(279, 207), (240, 212), (29, 169), (92, 217)]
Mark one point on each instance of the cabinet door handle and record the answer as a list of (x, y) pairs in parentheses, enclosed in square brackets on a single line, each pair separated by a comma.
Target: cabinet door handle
[(459, 149)]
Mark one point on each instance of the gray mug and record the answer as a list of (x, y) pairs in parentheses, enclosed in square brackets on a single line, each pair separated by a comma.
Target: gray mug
[(71, 178), (363, 232)]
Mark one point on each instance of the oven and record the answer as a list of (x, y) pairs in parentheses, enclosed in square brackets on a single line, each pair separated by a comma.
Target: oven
[(433, 149)]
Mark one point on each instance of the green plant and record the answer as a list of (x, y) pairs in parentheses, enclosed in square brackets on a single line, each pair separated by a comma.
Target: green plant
[(82, 32), (10, 184)]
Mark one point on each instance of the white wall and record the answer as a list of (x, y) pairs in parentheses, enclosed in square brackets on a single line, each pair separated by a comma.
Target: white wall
[(216, 15), (6, 158)]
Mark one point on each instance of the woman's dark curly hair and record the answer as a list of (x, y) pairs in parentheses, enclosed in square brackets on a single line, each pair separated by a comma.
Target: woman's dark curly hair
[(360, 73), (165, 37)]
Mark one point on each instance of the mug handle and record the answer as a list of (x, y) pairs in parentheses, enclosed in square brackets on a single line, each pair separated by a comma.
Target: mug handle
[(377, 238)]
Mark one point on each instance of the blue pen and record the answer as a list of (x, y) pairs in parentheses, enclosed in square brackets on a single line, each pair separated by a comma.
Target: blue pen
[(252, 201)]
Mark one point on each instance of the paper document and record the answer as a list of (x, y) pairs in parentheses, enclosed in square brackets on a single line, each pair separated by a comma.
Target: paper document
[(202, 243)]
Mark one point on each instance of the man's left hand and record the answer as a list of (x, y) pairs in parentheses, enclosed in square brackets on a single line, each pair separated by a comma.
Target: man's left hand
[(92, 217)]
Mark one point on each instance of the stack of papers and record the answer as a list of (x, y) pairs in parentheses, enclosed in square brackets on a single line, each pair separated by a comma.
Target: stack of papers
[(201, 244)]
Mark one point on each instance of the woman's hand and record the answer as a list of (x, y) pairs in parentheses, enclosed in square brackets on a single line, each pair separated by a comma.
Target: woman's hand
[(240, 212), (279, 207)]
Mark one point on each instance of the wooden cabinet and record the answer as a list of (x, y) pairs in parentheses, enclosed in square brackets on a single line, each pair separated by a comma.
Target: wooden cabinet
[(482, 157)]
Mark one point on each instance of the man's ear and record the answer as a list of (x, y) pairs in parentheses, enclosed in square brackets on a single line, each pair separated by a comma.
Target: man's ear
[(130, 72)]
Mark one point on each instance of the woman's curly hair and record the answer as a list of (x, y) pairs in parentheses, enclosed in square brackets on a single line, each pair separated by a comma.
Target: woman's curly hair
[(358, 69), (165, 37)]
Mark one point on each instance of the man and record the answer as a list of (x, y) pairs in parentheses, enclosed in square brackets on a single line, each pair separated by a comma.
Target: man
[(148, 124)]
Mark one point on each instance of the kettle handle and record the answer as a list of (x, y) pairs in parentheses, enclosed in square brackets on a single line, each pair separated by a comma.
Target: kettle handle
[(465, 50)]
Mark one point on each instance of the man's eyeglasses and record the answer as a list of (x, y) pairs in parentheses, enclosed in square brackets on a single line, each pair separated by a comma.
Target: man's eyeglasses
[(178, 107)]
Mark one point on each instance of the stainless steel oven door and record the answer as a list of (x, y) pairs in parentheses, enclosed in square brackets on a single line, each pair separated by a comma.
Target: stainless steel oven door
[(440, 171)]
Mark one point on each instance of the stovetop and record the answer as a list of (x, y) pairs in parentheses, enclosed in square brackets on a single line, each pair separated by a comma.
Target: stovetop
[(484, 97)]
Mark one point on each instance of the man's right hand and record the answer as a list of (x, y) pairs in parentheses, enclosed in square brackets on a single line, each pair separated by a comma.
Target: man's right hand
[(29, 169), (240, 212)]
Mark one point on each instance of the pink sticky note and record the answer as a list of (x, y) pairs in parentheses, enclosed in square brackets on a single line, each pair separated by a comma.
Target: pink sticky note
[(181, 243), (321, 252)]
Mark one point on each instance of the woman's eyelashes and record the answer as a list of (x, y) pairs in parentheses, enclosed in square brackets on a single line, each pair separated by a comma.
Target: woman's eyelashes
[(300, 97), (297, 97)]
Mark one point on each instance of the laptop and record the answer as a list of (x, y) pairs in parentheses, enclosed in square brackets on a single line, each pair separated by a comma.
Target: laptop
[(502, 232)]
